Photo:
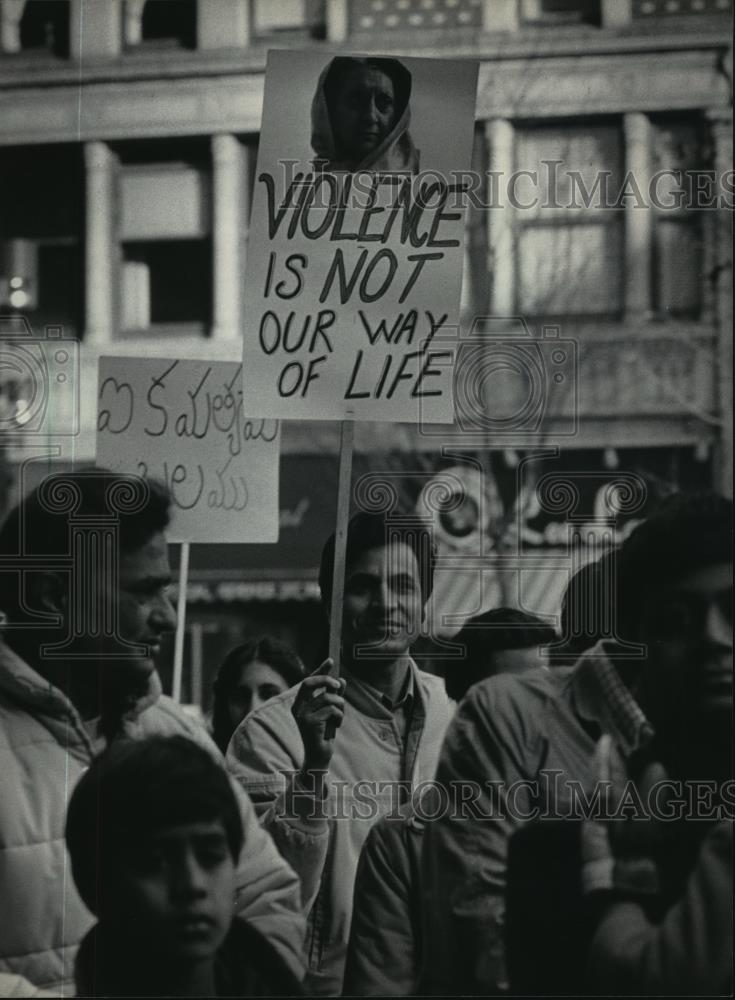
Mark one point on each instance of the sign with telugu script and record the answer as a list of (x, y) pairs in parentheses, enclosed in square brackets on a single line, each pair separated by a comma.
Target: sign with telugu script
[(185, 424), (352, 288)]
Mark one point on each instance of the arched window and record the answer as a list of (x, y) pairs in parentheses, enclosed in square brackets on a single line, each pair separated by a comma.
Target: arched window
[(44, 26), (170, 22)]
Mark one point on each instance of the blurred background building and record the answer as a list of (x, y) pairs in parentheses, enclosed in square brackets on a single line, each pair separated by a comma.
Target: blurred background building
[(129, 132)]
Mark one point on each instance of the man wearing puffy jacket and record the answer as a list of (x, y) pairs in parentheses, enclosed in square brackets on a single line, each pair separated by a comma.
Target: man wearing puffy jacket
[(80, 635)]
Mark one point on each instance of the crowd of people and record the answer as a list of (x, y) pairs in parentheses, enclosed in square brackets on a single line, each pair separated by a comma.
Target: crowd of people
[(550, 814)]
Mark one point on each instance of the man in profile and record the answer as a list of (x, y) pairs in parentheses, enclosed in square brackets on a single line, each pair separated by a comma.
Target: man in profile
[(84, 588), (360, 116)]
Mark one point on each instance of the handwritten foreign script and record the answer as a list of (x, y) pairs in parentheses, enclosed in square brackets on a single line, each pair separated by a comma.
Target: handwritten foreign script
[(183, 422), (209, 409)]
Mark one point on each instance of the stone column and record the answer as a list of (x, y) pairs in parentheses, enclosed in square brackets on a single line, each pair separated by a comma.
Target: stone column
[(721, 131), (337, 20), (501, 250), (133, 22), (223, 24), (11, 11), (227, 234), (95, 29), (100, 251), (616, 13), (638, 219)]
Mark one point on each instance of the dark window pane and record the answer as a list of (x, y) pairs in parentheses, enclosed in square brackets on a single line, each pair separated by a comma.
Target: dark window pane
[(561, 11), (679, 260), (59, 287), (678, 147), (180, 279), (41, 192), (170, 20), (45, 25)]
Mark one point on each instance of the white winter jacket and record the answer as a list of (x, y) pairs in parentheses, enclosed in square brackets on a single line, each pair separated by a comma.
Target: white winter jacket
[(44, 748)]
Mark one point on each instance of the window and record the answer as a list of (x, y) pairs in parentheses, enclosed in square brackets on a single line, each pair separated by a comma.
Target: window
[(569, 244), (165, 234), (41, 234), (288, 18), (551, 12), (167, 283), (678, 251), (170, 22), (44, 27)]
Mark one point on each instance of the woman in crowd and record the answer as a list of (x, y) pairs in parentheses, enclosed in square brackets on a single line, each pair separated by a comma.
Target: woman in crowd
[(250, 674)]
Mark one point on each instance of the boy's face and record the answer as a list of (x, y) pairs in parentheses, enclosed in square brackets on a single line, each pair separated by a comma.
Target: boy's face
[(175, 893)]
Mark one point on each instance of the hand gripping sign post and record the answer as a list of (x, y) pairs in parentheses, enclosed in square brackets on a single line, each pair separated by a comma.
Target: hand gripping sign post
[(184, 423), (356, 246)]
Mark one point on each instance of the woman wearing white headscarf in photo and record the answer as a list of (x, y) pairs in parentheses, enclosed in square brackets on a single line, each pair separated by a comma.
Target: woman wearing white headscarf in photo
[(360, 117)]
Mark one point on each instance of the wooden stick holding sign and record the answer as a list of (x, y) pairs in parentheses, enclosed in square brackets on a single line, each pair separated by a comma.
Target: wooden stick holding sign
[(180, 623), (344, 491)]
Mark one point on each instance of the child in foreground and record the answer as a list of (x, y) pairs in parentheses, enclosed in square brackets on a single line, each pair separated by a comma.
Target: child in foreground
[(154, 834)]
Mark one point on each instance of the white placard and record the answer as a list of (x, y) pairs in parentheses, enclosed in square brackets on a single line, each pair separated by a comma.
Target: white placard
[(355, 252), (184, 423)]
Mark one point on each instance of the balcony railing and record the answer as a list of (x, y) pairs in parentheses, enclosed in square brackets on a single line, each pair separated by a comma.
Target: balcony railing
[(115, 27)]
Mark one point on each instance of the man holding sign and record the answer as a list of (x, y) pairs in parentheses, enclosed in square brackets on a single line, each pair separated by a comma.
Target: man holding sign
[(390, 719), (351, 313)]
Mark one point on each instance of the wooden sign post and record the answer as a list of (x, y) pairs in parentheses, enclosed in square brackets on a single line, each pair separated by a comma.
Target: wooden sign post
[(340, 542), (180, 622)]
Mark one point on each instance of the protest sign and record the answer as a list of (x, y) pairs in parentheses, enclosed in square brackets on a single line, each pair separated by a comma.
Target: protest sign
[(356, 237), (185, 423), (356, 248)]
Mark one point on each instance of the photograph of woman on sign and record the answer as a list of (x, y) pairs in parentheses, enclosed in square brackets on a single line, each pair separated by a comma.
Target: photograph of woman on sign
[(360, 116)]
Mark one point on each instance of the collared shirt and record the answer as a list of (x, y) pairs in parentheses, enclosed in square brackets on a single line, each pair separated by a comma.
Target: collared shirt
[(399, 708), (405, 714)]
